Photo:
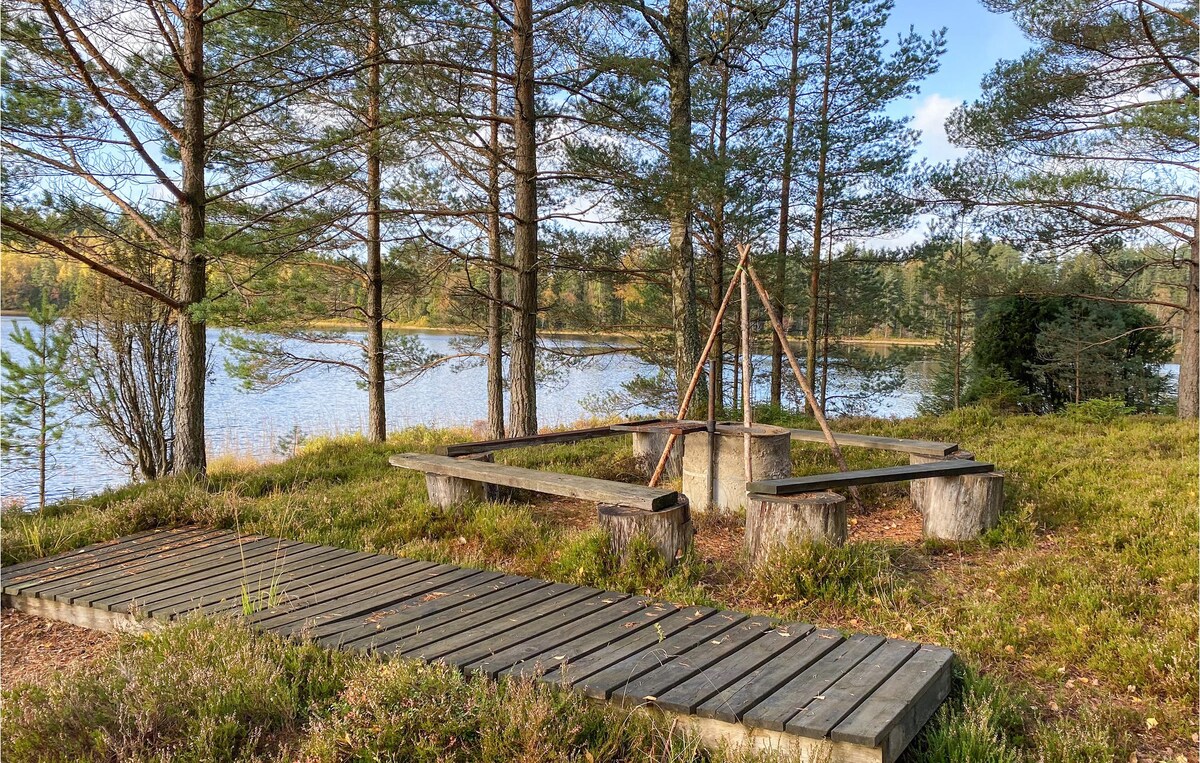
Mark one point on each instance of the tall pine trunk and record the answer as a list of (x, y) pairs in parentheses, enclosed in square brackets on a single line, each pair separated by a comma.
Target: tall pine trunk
[(1189, 351), (522, 380), (719, 239), (376, 405), (785, 200), (814, 276), (679, 206), (193, 277), (495, 312)]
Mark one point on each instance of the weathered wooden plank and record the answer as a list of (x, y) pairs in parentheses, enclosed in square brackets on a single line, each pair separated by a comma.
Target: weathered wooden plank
[(570, 485), (84, 617), (408, 633), (603, 683), (828, 708), (83, 564), (434, 600), (504, 650), (234, 584), (333, 603), (13, 572), (647, 687), (589, 641), (565, 626), (893, 714), (731, 703), (352, 610), (816, 482), (307, 589), (104, 572), (167, 588), (134, 575), (166, 577), (532, 607), (547, 438), (776, 710), (576, 670), (691, 693), (899, 445)]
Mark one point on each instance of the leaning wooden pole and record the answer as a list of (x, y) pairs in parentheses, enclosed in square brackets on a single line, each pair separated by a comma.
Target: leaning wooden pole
[(743, 256), (747, 377), (818, 414)]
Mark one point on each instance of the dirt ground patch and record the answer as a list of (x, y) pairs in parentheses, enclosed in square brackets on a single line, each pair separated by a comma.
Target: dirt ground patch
[(32, 648)]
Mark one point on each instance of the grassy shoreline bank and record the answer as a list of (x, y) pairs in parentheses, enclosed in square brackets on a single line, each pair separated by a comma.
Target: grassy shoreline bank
[(1075, 621)]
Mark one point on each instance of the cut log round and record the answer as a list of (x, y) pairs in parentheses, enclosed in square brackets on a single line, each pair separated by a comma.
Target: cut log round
[(451, 492), (669, 530), (774, 521), (957, 508), (918, 490), (648, 448)]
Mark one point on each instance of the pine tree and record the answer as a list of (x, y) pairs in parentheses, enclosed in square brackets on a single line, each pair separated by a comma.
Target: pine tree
[(1092, 134), (34, 391)]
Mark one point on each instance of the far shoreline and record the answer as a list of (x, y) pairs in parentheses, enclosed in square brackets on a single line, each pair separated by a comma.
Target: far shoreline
[(629, 339)]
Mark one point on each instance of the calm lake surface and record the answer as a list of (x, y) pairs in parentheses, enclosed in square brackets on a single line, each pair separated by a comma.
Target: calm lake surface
[(259, 424)]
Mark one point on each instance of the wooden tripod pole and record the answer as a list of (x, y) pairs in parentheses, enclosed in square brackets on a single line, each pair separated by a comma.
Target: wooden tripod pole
[(743, 256), (747, 379), (818, 414)]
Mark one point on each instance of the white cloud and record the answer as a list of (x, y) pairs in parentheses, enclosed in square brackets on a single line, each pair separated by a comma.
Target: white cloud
[(930, 118)]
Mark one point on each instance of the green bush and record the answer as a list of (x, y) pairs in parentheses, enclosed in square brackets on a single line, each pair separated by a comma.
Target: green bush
[(1099, 411), (980, 723), (850, 574)]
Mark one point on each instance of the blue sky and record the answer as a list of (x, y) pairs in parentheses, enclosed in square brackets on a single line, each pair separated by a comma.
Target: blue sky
[(975, 40)]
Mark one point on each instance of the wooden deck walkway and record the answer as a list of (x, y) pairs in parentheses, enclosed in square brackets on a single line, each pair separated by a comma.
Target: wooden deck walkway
[(739, 678)]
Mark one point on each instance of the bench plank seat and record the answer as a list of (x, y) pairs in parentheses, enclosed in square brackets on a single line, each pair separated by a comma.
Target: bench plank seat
[(920, 447), (818, 482), (549, 438), (569, 485)]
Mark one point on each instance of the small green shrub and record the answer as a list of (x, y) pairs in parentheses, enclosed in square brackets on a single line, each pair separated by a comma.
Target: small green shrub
[(1098, 411), (850, 574), (980, 723)]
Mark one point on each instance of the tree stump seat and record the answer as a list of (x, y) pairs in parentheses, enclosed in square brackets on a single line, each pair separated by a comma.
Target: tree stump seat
[(670, 531), (775, 521)]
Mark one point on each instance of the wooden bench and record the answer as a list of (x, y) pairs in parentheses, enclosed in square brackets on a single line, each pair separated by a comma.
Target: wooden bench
[(625, 510), (566, 437), (816, 482), (918, 447), (962, 500)]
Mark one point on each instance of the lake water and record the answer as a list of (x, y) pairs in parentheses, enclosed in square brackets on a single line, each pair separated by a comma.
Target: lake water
[(329, 402)]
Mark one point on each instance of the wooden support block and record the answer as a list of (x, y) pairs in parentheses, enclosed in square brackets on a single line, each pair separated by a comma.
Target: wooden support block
[(774, 521), (670, 530), (957, 508), (447, 492)]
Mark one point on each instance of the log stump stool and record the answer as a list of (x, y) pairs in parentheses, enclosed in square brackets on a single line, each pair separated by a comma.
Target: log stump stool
[(669, 530), (957, 508), (774, 521), (451, 492), (718, 480)]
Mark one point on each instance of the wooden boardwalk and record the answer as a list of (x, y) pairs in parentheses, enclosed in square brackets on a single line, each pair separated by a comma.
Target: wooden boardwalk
[(734, 677)]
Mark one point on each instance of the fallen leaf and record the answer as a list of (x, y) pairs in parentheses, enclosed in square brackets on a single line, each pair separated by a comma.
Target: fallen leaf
[(1151, 723)]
